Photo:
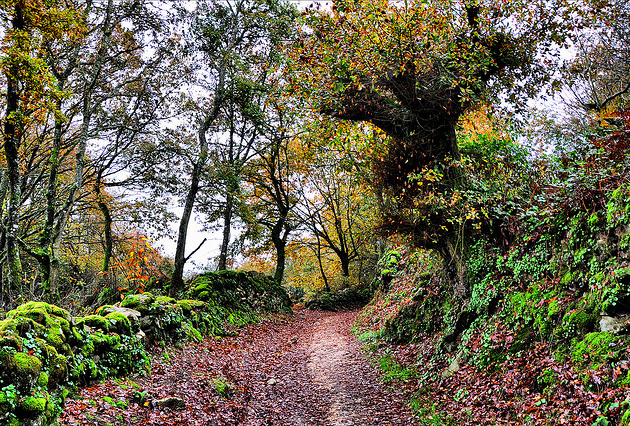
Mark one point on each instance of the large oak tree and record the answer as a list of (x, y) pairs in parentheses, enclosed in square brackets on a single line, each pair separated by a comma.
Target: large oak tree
[(411, 69)]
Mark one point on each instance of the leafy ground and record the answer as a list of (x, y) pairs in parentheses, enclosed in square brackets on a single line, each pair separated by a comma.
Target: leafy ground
[(305, 370)]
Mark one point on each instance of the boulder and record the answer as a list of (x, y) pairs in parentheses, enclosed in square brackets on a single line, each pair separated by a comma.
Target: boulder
[(615, 325), (131, 314), (171, 402)]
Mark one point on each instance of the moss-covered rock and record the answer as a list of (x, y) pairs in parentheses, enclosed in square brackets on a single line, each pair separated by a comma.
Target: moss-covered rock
[(42, 347), (595, 349), (240, 290), (42, 380), (97, 322), (44, 352), (119, 323), (187, 306), (33, 406), (27, 365), (577, 322), (138, 302), (56, 321)]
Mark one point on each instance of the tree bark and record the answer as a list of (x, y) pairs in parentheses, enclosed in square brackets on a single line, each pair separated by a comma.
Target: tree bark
[(319, 262), (46, 255), (107, 233), (227, 228), (11, 150), (280, 244), (57, 219)]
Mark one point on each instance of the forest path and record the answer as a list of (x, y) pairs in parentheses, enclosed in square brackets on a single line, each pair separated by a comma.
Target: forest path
[(336, 365), (307, 370)]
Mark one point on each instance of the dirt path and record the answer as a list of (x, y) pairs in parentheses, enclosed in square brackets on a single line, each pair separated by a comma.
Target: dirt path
[(336, 364), (307, 371)]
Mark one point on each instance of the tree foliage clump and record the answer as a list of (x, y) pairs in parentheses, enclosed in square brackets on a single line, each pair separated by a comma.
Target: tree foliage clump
[(412, 70)]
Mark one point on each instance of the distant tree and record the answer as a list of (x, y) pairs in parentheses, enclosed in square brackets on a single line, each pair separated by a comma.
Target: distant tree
[(598, 78), (104, 90), (336, 208), (229, 43), (274, 181), (221, 200)]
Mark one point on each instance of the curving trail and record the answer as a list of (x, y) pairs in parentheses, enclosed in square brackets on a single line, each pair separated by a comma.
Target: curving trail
[(305, 371)]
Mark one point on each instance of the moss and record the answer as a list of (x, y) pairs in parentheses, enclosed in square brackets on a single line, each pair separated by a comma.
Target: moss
[(164, 300), (119, 323), (139, 302), (34, 405), (38, 314), (97, 322), (27, 364), (101, 311), (547, 379), (12, 342), (44, 314), (567, 279), (204, 286), (188, 305), (103, 342), (60, 312), (58, 369), (88, 348), (625, 381), (64, 393), (192, 333), (625, 419), (554, 309), (55, 335), (20, 326), (78, 337), (42, 381), (577, 322), (536, 308), (595, 349)]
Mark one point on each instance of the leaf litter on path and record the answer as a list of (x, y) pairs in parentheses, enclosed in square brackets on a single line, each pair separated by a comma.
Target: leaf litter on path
[(302, 370)]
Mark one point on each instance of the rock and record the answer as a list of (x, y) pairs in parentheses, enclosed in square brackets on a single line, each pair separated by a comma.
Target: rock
[(131, 314), (454, 366), (171, 402), (614, 325), (143, 337), (272, 382)]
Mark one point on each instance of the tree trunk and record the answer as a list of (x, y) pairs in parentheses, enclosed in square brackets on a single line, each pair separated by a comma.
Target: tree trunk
[(454, 257), (280, 245), (319, 261), (11, 148), (227, 227), (46, 255), (279, 239), (345, 263), (177, 281), (107, 231)]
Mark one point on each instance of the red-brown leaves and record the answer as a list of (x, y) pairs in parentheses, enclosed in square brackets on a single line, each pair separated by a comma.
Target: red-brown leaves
[(266, 374)]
